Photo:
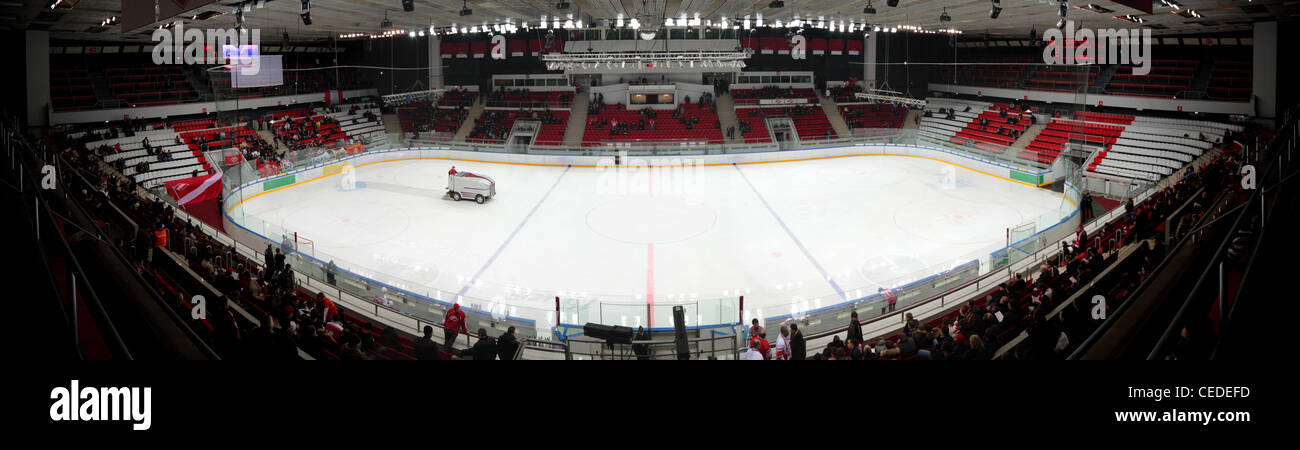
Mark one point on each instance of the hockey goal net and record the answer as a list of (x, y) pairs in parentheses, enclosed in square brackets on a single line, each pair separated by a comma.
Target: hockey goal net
[(1022, 241), (304, 246)]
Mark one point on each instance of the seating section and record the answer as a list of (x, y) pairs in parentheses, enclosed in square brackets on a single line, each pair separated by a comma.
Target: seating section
[(1167, 78), (191, 125), (552, 131), (168, 160), (1151, 148), (1053, 139), (1128, 147), (494, 125), (748, 96), (845, 93), (810, 122), (457, 97), (425, 116), (307, 128), (298, 79), (329, 127), (617, 124), (1231, 80), (873, 115), (70, 90), (753, 125), (151, 85), (1061, 79), (998, 126), (992, 72), (517, 98), (362, 122), (980, 125), (935, 122)]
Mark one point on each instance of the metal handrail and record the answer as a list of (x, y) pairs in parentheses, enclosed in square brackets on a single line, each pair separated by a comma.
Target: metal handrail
[(1223, 246), (114, 337)]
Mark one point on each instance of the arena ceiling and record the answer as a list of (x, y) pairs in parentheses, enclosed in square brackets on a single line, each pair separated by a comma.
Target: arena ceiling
[(84, 19)]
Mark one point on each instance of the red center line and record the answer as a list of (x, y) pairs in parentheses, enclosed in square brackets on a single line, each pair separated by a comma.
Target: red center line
[(650, 263)]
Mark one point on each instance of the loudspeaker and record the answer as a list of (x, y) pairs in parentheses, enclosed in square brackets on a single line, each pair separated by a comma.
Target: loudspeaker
[(679, 332), (610, 333)]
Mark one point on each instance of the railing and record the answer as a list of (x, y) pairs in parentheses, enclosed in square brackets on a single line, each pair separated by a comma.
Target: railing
[(77, 290), (1281, 166), (712, 346), (1087, 344)]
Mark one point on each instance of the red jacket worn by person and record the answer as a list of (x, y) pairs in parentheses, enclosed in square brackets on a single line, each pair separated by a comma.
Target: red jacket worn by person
[(331, 311), (763, 346), (455, 320)]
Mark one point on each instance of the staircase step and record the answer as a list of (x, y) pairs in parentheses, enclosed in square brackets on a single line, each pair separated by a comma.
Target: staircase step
[(833, 116), (577, 125), (727, 117), (467, 126)]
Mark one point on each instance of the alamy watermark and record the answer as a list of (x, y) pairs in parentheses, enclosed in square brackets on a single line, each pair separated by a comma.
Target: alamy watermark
[(659, 176), (1103, 46), (239, 47), (77, 403)]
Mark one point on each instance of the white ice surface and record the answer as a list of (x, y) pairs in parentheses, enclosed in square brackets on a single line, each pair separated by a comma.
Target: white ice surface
[(772, 232)]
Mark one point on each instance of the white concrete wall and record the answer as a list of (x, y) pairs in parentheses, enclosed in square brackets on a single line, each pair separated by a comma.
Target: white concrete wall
[(1264, 72), (38, 78), (152, 112), (1114, 101)]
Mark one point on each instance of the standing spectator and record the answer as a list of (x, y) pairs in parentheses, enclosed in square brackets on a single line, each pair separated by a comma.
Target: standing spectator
[(855, 328), (754, 329), (783, 344), (453, 325), (642, 351), (507, 345), (280, 262), (798, 348), (890, 298)]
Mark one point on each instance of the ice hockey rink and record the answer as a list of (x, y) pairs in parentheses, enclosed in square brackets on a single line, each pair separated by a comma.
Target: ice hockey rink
[(801, 234)]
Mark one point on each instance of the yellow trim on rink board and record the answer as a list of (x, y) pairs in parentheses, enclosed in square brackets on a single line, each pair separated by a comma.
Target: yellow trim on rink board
[(232, 207)]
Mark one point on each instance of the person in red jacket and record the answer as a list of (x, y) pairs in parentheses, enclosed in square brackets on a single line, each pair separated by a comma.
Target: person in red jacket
[(453, 325), (763, 346), (331, 311)]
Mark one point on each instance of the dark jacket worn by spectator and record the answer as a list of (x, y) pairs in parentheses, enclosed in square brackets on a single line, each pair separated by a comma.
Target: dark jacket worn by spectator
[(507, 345), (484, 349), (798, 347)]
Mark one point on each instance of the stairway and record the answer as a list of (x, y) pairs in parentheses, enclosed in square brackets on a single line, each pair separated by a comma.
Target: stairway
[(910, 122), (727, 118), (1103, 78), (1027, 137), (197, 82), (392, 124), (1027, 73), (99, 83), (834, 117), (577, 125), (1201, 81), (467, 126)]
